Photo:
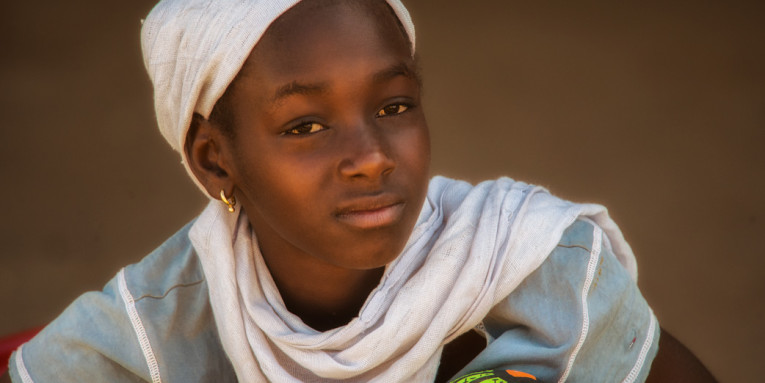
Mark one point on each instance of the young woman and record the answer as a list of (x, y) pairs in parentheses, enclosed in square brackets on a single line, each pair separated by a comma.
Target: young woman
[(327, 253)]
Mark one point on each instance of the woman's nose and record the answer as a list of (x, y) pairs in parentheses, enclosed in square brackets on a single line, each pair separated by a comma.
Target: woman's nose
[(366, 154)]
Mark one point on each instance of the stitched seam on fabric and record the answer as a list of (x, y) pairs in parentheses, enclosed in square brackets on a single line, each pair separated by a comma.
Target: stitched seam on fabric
[(591, 266), (138, 328), (574, 246), (168, 291), (643, 352), (25, 378)]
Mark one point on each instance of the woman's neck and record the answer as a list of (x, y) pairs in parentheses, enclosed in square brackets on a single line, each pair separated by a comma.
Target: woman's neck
[(323, 295)]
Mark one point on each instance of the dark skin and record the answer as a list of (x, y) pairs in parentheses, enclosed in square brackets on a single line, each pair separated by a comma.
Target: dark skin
[(329, 101), (329, 145), (326, 59), (676, 363)]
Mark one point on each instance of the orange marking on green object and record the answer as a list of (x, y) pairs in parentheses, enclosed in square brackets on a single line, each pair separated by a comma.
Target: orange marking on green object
[(520, 374)]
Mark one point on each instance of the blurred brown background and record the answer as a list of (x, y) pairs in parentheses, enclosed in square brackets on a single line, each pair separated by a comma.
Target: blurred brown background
[(655, 110)]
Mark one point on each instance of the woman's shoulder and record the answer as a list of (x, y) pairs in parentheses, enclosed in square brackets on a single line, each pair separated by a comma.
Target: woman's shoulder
[(171, 266), (151, 321), (580, 307)]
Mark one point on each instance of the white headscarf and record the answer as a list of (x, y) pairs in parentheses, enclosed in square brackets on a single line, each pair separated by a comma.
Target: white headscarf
[(193, 49)]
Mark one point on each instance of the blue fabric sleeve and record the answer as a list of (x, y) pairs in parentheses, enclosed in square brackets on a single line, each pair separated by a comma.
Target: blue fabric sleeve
[(94, 339), (91, 341), (579, 317)]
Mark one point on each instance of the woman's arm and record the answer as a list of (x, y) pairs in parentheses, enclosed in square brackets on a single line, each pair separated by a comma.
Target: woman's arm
[(675, 363)]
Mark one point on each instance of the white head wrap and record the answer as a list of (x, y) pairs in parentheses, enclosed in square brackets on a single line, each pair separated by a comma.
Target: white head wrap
[(193, 49)]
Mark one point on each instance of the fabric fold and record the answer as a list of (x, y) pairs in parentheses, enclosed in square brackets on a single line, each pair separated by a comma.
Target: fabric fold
[(471, 247)]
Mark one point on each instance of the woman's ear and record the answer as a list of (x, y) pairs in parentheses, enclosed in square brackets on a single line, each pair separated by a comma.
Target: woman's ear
[(207, 151)]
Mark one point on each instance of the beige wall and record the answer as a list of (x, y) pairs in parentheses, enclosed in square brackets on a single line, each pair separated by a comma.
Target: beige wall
[(656, 111)]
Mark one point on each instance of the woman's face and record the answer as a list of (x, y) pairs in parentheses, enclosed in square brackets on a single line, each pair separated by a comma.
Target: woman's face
[(330, 151)]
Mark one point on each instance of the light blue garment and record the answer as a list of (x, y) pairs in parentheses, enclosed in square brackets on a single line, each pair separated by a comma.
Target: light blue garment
[(538, 329), (93, 340)]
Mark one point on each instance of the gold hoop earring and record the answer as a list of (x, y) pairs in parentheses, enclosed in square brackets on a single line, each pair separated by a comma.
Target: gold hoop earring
[(230, 202)]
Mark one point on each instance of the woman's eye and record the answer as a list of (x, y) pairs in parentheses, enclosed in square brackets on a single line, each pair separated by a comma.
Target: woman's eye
[(307, 128), (392, 109)]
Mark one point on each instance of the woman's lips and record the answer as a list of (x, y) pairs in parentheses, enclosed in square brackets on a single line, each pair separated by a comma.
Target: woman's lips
[(372, 213)]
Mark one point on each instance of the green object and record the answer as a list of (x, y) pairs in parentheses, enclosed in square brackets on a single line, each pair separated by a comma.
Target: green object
[(480, 376), (498, 375)]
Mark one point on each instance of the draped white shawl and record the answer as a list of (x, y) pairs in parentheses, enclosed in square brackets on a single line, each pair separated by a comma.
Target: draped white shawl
[(471, 246)]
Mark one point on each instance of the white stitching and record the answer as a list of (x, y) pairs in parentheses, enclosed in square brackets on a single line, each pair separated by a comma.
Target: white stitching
[(140, 331), (597, 235), (643, 352), (25, 378)]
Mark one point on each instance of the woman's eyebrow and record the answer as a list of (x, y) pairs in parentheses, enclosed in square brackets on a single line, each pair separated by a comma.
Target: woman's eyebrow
[(395, 70), (295, 87)]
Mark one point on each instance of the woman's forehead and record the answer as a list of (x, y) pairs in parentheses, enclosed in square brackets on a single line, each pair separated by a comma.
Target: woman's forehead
[(378, 11), (316, 28), (312, 49)]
